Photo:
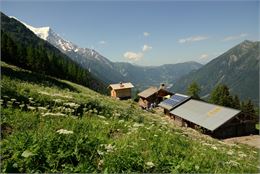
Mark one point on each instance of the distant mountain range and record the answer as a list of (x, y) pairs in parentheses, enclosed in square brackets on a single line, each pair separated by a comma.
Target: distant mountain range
[(238, 68), (114, 72), (144, 77)]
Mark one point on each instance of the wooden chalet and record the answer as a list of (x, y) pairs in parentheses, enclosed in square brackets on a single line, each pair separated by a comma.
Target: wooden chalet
[(152, 95), (121, 90), (215, 120)]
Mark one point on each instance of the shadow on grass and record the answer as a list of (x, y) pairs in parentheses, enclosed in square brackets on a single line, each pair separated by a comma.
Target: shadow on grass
[(36, 78)]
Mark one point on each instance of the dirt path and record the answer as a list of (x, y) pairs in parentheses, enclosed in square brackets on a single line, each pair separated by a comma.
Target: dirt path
[(252, 140)]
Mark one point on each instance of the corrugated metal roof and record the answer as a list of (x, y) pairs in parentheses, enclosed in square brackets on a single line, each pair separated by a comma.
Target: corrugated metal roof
[(121, 85), (207, 115), (148, 92), (174, 101)]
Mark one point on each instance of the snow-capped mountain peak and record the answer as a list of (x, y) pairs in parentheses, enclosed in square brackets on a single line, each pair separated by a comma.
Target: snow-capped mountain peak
[(46, 33), (80, 55), (42, 32)]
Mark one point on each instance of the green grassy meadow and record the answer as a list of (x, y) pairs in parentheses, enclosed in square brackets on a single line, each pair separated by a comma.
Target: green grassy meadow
[(51, 125)]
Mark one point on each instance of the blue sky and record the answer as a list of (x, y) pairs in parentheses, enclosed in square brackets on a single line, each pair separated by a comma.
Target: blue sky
[(146, 32)]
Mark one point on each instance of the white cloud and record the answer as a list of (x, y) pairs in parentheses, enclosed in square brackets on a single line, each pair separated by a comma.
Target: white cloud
[(235, 37), (133, 56), (192, 39), (146, 34), (204, 56), (146, 48), (102, 42)]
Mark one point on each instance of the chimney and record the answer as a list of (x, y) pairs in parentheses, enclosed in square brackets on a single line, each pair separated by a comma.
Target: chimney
[(162, 86)]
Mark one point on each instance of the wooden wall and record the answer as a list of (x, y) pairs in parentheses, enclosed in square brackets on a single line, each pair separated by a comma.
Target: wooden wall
[(121, 93)]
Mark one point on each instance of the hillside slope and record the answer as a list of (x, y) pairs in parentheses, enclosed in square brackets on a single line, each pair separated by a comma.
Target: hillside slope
[(53, 126), (238, 68), (21, 47)]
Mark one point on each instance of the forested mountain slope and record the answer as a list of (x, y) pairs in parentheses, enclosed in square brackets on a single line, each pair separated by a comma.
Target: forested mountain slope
[(21, 47)]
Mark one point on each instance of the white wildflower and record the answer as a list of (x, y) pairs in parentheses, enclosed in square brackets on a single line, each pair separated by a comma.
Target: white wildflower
[(148, 128), (105, 122), (27, 153), (30, 98), (32, 102), (64, 131), (150, 164), (164, 123), (109, 147), (53, 114), (131, 146), (155, 135), (143, 139), (232, 163), (100, 164), (120, 121), (71, 104), (134, 129), (13, 99), (242, 155), (15, 165), (214, 147), (95, 110), (206, 144), (21, 106), (117, 114), (197, 167), (57, 100), (230, 152), (138, 125), (31, 108), (61, 95), (100, 152), (43, 92), (102, 117)]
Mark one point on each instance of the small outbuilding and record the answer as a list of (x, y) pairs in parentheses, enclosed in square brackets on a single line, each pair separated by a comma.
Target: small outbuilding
[(173, 102), (151, 96), (121, 90), (215, 120)]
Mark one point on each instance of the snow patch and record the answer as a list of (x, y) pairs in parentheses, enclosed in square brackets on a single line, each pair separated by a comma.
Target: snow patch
[(42, 32)]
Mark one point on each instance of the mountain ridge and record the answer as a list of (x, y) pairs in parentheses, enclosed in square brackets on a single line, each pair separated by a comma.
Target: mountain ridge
[(237, 68)]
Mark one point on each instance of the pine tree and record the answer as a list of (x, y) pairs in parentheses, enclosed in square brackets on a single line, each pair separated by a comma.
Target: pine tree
[(194, 90), (236, 102), (30, 56), (248, 110), (221, 96)]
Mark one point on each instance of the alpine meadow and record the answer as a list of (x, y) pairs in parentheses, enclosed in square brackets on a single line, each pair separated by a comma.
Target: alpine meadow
[(136, 87)]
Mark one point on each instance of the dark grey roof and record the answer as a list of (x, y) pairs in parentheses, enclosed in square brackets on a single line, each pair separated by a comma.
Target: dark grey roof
[(204, 114)]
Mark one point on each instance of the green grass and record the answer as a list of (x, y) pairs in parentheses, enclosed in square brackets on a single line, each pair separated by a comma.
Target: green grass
[(257, 126), (107, 135)]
